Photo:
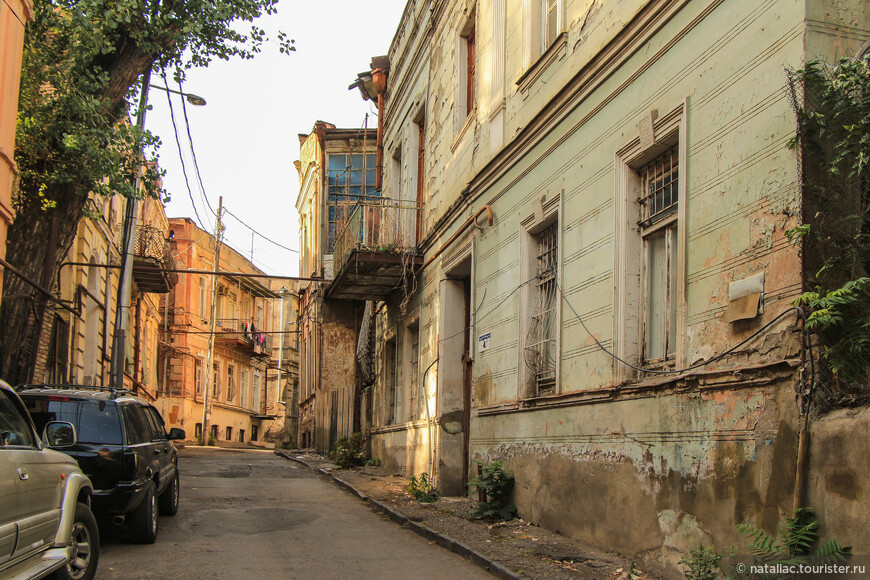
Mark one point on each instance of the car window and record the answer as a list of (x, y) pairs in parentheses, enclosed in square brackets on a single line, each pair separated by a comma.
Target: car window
[(95, 421), (14, 430), (157, 426), (138, 430)]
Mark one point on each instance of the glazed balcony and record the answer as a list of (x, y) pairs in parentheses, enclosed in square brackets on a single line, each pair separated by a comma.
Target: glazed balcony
[(376, 250), (151, 260)]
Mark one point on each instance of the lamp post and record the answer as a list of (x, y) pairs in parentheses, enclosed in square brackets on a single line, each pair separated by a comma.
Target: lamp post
[(125, 284)]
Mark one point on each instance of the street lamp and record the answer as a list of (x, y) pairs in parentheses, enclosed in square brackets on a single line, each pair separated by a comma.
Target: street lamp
[(125, 285), (195, 100)]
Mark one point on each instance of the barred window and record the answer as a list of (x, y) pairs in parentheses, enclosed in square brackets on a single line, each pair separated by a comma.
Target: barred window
[(659, 230), (541, 340)]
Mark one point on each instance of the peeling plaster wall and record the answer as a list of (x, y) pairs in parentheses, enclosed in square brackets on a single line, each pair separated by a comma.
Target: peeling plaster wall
[(652, 468)]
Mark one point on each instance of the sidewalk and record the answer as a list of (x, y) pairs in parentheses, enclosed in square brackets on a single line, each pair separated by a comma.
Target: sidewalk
[(514, 549)]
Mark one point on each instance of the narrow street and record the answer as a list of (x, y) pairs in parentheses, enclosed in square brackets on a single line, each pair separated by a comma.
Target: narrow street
[(251, 514)]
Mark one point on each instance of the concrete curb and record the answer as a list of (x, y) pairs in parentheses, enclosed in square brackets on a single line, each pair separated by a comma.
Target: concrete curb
[(442, 540)]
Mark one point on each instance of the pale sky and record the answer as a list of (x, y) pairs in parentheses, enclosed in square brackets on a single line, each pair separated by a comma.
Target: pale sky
[(246, 137)]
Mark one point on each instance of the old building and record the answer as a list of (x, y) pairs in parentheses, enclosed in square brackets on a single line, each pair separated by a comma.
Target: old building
[(14, 16), (76, 337), (337, 200), (229, 366), (282, 383), (602, 282)]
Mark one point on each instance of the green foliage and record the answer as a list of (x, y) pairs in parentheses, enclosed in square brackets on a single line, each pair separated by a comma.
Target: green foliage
[(496, 485), (702, 563), (373, 462), (348, 453), (422, 488), (81, 64), (795, 542), (833, 114)]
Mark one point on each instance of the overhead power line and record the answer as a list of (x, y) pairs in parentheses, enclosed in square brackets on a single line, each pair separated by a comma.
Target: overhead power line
[(258, 233)]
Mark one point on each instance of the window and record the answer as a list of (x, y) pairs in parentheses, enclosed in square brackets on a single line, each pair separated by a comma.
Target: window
[(215, 381), (241, 435), (420, 125), (649, 242), (351, 177), (255, 395), (658, 201), (15, 430), (390, 379), (135, 425), (229, 433), (214, 431), (203, 298), (540, 355), (550, 22), (95, 422), (539, 324), (158, 428), (199, 379), (469, 71), (232, 312), (467, 66), (197, 431), (414, 396), (231, 383), (543, 26), (243, 387)]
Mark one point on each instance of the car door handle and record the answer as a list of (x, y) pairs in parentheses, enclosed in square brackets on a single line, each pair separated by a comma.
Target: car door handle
[(22, 474)]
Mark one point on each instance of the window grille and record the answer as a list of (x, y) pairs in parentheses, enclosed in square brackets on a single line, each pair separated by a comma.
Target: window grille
[(541, 340), (660, 192)]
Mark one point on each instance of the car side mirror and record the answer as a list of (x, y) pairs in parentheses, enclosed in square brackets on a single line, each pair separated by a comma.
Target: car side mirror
[(59, 434), (176, 433)]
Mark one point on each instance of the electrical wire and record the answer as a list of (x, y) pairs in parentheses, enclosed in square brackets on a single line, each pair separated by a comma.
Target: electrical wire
[(193, 152), (180, 154), (258, 233), (688, 368)]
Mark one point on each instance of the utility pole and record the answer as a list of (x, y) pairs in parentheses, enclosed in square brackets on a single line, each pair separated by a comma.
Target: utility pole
[(214, 281), (125, 284)]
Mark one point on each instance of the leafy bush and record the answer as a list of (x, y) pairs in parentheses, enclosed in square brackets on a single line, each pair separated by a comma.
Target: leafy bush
[(422, 488), (703, 564), (794, 543), (373, 462), (348, 452), (496, 486)]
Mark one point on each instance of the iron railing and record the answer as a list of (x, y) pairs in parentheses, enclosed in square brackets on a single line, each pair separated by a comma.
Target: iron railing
[(378, 225), (152, 243), (234, 328)]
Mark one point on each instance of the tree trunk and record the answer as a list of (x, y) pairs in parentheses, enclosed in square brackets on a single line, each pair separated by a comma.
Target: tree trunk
[(24, 308)]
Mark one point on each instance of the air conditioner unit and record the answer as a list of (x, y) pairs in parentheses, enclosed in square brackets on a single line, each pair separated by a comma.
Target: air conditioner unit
[(222, 290)]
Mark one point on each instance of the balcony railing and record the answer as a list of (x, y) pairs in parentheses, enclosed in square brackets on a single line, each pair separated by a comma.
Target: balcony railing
[(152, 259), (243, 334), (378, 225)]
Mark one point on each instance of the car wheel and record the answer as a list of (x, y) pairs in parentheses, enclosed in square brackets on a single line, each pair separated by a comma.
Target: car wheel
[(168, 500), (143, 520), (84, 547)]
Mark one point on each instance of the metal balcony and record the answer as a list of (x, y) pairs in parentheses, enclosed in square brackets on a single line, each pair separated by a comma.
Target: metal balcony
[(376, 250), (151, 260), (246, 338)]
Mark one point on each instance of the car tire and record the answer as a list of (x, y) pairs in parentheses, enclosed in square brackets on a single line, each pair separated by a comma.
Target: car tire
[(143, 520), (84, 547), (168, 500)]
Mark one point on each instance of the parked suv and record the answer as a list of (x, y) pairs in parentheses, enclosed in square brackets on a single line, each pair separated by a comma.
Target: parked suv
[(45, 523), (122, 446)]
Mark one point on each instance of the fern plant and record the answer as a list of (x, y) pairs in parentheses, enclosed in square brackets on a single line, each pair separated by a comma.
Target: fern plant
[(703, 564), (795, 542)]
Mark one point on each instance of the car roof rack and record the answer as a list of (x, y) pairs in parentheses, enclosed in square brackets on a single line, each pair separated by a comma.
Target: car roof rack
[(113, 391)]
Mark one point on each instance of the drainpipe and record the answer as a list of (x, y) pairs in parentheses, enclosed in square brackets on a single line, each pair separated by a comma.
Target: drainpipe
[(379, 81)]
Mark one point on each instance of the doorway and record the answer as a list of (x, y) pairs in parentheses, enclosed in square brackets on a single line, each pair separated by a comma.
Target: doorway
[(455, 378)]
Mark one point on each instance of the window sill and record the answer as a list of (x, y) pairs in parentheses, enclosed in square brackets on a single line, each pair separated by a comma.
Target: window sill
[(556, 52), (468, 122)]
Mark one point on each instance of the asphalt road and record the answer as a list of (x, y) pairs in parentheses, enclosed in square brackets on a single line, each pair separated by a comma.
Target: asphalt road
[(252, 515)]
